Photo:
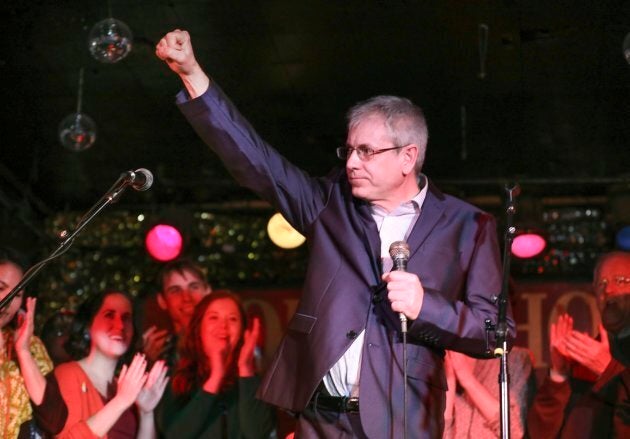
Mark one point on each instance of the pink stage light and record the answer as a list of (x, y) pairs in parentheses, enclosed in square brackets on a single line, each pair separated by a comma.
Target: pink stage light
[(164, 242), (528, 245)]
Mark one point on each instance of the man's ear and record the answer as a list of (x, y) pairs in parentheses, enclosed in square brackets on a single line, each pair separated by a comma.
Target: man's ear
[(161, 301), (410, 155)]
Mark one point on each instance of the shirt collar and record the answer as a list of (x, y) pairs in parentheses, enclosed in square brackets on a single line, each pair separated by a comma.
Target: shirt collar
[(413, 206)]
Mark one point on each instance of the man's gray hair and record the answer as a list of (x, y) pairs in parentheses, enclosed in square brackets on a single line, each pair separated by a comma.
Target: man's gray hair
[(403, 119)]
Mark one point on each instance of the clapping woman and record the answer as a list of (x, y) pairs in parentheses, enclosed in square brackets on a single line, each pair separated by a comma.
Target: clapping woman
[(98, 403), (213, 388)]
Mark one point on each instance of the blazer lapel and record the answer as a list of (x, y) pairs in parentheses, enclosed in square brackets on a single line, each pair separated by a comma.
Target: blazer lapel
[(430, 215), (371, 239)]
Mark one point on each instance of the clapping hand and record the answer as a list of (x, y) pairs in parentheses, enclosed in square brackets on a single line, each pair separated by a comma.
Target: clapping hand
[(559, 333), (592, 354), (25, 327), (153, 389), (246, 364), (131, 380), (153, 342)]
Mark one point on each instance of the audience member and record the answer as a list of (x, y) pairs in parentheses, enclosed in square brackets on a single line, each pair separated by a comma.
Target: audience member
[(472, 399), (15, 408), (97, 404), (182, 285), (213, 389), (569, 406), (55, 333)]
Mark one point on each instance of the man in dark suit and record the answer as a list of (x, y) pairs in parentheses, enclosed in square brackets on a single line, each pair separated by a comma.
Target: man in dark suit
[(340, 367)]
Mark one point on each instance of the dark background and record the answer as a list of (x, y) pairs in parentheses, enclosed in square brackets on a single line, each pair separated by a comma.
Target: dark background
[(554, 103)]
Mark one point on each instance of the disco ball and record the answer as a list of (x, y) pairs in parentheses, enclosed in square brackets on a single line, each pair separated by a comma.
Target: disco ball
[(77, 132), (110, 40), (626, 48)]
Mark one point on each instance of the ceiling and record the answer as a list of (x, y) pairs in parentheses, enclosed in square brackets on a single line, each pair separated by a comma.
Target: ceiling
[(552, 111)]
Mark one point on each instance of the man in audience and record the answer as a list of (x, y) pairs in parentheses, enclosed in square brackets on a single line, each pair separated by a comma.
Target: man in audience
[(587, 391), (182, 286)]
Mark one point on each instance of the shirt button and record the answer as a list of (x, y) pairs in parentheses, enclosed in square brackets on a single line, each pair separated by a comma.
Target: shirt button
[(351, 334)]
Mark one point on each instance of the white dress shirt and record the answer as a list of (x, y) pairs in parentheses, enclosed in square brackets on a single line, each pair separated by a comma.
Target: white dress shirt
[(343, 378)]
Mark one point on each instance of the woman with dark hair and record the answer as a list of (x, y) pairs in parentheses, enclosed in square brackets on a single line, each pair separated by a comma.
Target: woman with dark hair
[(98, 404), (15, 407), (213, 389)]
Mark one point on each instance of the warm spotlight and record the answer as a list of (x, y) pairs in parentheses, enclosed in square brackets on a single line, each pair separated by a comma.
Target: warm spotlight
[(282, 233)]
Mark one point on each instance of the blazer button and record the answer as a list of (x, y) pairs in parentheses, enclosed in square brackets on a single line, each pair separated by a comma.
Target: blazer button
[(352, 334)]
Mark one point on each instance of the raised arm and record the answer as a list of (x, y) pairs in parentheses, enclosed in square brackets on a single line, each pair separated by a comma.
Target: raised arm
[(33, 378), (176, 50)]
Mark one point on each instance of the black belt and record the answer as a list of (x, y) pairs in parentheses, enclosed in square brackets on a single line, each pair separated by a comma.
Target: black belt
[(341, 404)]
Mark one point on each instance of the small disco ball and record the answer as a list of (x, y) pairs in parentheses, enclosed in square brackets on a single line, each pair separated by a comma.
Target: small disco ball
[(77, 132), (110, 40), (626, 48)]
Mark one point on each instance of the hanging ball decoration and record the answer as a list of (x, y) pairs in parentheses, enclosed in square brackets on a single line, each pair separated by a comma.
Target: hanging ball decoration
[(626, 48), (77, 132), (110, 40), (164, 242)]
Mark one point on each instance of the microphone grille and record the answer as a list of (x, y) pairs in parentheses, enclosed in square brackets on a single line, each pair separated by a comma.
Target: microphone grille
[(399, 250), (148, 179)]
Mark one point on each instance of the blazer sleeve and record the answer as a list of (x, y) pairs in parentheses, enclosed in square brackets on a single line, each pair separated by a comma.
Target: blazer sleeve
[(252, 162), (459, 299)]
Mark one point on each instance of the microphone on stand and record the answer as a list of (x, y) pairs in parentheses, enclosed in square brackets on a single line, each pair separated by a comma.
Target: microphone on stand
[(399, 252), (141, 179)]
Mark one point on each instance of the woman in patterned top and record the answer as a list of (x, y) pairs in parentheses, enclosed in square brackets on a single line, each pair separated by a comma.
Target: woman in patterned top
[(15, 407)]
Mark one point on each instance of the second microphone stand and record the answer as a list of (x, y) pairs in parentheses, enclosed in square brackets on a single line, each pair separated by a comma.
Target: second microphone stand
[(501, 329)]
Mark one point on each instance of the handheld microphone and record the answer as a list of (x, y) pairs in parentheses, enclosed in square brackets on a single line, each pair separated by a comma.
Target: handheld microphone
[(141, 179), (399, 252)]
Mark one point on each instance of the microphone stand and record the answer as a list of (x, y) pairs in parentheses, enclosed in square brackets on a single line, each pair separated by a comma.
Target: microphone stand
[(501, 350), (110, 197)]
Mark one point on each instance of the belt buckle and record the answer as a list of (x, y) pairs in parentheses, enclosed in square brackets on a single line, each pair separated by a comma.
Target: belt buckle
[(352, 404)]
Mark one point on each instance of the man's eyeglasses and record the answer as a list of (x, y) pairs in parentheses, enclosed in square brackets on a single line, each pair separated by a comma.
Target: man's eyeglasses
[(364, 152), (617, 280)]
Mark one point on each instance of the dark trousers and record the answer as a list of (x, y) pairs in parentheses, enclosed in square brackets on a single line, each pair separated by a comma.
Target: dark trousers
[(328, 424)]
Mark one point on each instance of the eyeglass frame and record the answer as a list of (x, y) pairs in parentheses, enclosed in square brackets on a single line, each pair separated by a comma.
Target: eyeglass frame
[(365, 156), (618, 280)]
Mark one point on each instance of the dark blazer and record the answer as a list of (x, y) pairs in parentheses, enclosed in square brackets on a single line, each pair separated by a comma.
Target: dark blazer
[(454, 252)]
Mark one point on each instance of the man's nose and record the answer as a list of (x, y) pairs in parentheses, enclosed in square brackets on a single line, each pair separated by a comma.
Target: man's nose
[(352, 160), (187, 295)]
